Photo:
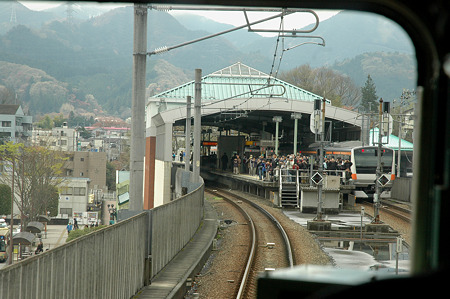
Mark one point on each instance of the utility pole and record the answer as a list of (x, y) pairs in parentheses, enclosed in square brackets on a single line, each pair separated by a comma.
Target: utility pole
[(11, 225), (376, 198), (187, 147), (197, 124), (320, 168), (138, 110)]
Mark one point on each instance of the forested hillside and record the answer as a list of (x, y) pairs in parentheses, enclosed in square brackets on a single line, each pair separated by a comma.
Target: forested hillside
[(47, 61)]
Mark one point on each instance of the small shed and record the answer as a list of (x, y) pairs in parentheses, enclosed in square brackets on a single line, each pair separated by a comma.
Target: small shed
[(25, 238)]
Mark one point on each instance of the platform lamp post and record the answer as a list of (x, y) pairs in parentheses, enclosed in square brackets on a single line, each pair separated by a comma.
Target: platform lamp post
[(277, 120), (296, 116)]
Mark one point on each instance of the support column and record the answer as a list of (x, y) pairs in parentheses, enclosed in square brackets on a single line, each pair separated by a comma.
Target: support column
[(187, 147), (138, 108), (296, 116), (149, 190), (277, 120)]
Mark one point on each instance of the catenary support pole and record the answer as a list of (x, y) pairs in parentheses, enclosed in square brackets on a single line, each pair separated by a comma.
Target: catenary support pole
[(138, 109), (197, 124), (187, 161)]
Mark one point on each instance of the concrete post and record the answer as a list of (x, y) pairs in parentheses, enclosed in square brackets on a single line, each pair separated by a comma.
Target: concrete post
[(138, 108), (296, 117), (187, 161), (197, 124), (277, 120)]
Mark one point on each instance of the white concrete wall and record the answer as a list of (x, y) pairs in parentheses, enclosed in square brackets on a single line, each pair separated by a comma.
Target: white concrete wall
[(162, 182)]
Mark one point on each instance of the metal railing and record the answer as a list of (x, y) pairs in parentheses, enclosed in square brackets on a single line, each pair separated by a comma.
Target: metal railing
[(108, 263)]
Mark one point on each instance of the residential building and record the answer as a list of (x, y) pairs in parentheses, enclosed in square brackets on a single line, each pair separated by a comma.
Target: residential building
[(90, 165), (14, 124), (59, 138), (73, 196)]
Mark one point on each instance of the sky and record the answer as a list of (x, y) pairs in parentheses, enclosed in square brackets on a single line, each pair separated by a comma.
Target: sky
[(294, 21)]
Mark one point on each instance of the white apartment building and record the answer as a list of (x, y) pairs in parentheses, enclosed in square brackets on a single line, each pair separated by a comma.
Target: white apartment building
[(60, 138), (73, 196), (15, 126)]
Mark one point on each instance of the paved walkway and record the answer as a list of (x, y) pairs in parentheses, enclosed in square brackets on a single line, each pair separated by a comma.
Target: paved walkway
[(56, 236), (171, 281)]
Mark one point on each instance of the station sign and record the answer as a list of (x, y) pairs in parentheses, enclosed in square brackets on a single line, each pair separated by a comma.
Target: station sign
[(209, 143)]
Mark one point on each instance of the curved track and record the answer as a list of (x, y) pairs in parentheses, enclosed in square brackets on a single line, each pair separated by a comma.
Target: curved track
[(269, 246)]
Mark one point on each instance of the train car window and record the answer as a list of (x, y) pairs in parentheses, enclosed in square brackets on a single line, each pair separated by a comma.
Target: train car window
[(398, 46)]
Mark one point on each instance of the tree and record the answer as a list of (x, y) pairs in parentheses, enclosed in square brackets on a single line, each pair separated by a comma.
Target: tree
[(5, 199), (85, 134), (337, 88), (45, 123), (369, 96), (110, 176), (37, 174)]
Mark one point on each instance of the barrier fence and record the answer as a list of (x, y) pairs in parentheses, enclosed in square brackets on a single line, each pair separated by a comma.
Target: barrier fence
[(111, 262), (108, 263)]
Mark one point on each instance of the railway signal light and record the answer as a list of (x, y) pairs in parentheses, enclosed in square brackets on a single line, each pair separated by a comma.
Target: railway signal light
[(317, 178), (383, 180)]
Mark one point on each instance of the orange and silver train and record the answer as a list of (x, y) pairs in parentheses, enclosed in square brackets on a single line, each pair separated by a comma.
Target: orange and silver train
[(364, 166)]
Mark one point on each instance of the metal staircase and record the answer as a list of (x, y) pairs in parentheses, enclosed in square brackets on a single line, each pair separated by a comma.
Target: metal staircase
[(288, 187)]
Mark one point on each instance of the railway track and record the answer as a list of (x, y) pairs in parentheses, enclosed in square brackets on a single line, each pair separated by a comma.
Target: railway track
[(268, 245), (397, 217), (394, 210)]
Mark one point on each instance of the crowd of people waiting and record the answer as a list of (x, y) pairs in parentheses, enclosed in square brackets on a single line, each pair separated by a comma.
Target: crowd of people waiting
[(265, 168)]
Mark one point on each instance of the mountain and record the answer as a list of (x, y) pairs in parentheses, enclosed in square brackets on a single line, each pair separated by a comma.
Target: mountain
[(13, 13), (391, 72), (93, 56), (346, 35), (240, 38)]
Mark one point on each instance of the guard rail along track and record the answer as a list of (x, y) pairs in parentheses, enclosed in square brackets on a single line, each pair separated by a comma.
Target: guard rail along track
[(247, 283)]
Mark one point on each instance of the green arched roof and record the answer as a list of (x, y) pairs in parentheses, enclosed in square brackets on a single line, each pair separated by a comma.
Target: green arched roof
[(239, 81)]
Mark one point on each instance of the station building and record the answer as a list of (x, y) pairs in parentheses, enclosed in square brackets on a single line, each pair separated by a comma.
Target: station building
[(245, 100)]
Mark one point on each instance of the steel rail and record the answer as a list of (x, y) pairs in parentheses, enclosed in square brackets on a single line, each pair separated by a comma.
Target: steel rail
[(253, 247), (274, 220)]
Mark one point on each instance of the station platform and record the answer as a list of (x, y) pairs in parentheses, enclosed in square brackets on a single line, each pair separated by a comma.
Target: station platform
[(242, 182), (171, 282)]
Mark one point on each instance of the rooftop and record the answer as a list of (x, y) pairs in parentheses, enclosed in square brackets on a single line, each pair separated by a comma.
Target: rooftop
[(239, 81)]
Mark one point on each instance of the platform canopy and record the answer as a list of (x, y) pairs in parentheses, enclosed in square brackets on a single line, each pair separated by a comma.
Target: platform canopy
[(238, 81), (242, 98), (392, 142)]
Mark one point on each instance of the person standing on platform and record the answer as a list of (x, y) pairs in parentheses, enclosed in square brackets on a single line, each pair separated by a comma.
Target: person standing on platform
[(250, 165), (224, 160)]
